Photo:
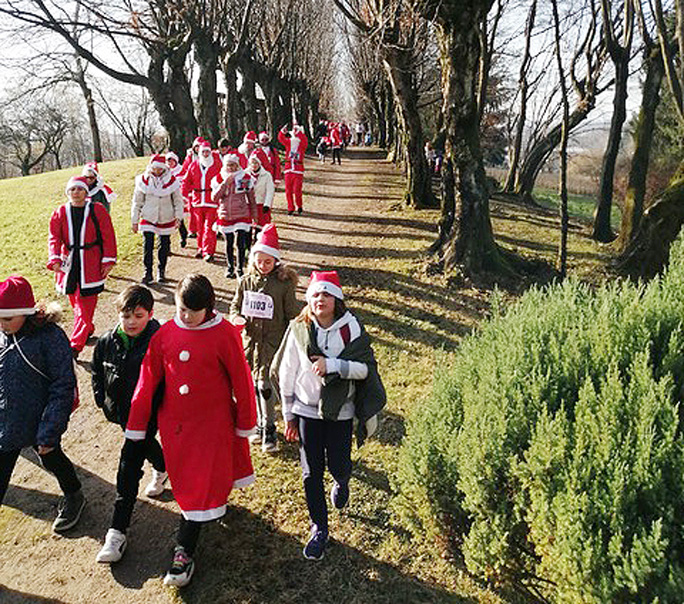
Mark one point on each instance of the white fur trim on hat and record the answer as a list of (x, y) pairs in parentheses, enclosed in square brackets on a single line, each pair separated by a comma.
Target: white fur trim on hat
[(324, 286), (266, 249), (231, 158), (13, 312)]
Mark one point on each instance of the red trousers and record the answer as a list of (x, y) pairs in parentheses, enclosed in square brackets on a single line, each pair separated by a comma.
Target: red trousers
[(84, 311), (293, 190), (206, 236)]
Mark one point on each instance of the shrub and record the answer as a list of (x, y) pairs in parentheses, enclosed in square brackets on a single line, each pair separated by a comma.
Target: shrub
[(549, 456)]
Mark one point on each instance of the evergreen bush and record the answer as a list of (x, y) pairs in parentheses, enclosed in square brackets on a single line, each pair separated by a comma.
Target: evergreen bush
[(549, 455)]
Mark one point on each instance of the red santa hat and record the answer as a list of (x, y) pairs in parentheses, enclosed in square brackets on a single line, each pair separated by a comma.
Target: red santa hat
[(171, 155), (16, 297), (198, 141), (324, 281), (264, 137), (90, 169), (230, 158), (267, 242), (158, 161), (250, 137), (77, 181)]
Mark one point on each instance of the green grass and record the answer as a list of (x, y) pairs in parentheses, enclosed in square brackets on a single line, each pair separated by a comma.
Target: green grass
[(579, 206)]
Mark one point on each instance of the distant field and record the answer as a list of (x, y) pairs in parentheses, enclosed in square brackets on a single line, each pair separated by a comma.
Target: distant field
[(26, 204)]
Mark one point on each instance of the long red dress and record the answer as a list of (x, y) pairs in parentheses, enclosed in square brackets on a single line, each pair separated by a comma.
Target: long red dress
[(207, 411)]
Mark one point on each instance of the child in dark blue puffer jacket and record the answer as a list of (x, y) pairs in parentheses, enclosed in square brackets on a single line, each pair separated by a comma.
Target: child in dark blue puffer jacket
[(37, 389)]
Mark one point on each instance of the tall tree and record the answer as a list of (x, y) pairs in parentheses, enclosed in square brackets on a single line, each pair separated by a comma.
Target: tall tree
[(620, 54)]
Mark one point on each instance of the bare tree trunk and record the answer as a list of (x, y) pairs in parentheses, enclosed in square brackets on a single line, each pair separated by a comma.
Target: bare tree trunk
[(90, 108), (523, 86), (633, 204), (469, 244), (233, 103), (562, 262), (207, 59), (248, 92), (398, 65)]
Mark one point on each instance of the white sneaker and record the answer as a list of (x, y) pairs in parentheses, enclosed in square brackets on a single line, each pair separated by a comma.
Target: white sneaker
[(156, 485), (113, 548), (255, 437)]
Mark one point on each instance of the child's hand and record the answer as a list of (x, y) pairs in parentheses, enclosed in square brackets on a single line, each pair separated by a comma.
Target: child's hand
[(319, 366), (106, 269), (291, 431), (43, 450)]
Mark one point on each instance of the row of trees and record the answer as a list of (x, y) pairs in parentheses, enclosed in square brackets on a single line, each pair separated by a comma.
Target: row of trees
[(551, 68), (170, 48)]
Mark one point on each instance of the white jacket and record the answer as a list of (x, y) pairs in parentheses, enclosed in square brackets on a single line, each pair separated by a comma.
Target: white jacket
[(300, 387), (157, 203), (264, 189)]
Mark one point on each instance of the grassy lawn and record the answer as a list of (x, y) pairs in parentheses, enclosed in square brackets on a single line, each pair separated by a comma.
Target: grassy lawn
[(579, 206)]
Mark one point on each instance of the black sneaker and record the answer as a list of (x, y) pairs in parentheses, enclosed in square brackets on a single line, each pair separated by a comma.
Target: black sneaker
[(162, 277), (300, 210), (339, 495), (183, 242), (230, 272), (290, 212), (315, 548), (181, 569), (69, 511), (147, 279)]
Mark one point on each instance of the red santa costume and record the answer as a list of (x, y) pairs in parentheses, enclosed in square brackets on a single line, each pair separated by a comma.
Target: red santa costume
[(97, 189), (295, 144), (197, 187), (207, 411), (81, 251), (246, 148), (174, 165), (273, 165), (191, 156)]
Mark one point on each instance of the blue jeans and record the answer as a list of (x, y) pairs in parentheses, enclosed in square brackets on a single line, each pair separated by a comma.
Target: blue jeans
[(320, 442)]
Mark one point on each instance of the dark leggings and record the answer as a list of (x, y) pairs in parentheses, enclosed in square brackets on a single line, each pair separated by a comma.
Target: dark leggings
[(183, 231), (188, 535), (243, 240), (55, 462), (162, 253), (321, 443), (133, 456), (337, 153)]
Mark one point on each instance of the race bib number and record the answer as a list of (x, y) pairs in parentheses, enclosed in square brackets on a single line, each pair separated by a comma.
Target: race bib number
[(257, 306)]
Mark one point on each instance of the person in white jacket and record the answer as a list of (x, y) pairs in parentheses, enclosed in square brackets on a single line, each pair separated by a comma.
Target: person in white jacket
[(325, 356), (264, 191), (156, 209)]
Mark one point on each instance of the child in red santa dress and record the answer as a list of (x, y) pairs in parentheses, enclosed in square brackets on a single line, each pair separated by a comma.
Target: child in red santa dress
[(264, 191), (234, 194), (197, 187), (207, 412), (295, 143), (191, 156), (82, 252), (246, 148), (273, 165)]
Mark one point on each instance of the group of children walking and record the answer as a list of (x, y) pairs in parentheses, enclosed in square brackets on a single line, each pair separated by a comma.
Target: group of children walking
[(208, 384)]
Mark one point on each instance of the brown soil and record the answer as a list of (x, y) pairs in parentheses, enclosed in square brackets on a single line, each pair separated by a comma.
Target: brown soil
[(341, 207)]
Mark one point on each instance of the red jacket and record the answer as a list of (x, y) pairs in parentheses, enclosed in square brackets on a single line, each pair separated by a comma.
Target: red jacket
[(274, 162), (207, 411), (295, 148), (94, 254), (335, 137), (197, 183)]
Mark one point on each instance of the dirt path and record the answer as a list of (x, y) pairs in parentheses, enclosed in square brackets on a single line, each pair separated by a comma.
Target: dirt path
[(341, 215)]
